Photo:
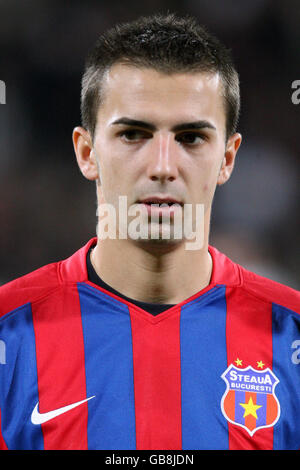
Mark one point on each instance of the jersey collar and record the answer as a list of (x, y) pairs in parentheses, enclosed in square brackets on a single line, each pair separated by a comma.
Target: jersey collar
[(224, 271)]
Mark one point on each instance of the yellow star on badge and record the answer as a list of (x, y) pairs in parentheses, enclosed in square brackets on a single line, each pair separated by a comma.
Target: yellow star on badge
[(250, 408), (238, 362), (260, 364)]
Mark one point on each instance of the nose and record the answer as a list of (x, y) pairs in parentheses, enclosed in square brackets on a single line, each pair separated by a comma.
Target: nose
[(162, 162)]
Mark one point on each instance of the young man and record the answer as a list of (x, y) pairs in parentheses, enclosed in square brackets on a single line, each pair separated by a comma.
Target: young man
[(139, 341)]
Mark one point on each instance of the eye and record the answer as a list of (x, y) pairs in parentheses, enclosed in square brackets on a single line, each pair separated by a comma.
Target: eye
[(134, 135), (190, 138)]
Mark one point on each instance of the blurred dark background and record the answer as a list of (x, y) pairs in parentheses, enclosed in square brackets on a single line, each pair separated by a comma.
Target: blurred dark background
[(48, 210)]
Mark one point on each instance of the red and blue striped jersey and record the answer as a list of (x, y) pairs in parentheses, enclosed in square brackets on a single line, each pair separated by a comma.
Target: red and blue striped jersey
[(82, 368)]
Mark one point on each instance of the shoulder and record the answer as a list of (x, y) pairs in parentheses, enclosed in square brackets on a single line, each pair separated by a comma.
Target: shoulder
[(43, 282), (237, 278), (269, 290), (28, 288)]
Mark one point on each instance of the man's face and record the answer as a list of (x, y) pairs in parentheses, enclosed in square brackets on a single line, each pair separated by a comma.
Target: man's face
[(160, 135)]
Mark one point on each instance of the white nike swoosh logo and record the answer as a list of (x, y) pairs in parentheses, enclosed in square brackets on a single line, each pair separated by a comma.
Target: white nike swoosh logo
[(40, 418)]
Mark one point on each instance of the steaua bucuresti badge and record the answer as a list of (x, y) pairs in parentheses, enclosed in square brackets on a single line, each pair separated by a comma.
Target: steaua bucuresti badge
[(249, 400)]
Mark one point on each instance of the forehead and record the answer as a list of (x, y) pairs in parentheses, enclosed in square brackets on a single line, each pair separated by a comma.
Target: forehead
[(137, 92)]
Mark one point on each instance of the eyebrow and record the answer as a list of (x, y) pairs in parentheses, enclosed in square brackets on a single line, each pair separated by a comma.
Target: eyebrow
[(178, 127)]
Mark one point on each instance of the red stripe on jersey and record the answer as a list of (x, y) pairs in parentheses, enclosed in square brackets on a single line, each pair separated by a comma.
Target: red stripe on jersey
[(156, 362), (249, 338), (229, 404), (272, 409), (61, 369), (3, 445)]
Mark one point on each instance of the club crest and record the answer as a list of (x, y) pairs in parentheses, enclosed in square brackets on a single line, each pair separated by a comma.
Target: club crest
[(249, 400)]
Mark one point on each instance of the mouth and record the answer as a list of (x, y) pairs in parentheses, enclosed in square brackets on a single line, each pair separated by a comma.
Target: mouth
[(161, 206), (159, 200)]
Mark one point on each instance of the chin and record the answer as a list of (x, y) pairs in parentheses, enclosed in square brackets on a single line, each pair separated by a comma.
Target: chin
[(160, 245)]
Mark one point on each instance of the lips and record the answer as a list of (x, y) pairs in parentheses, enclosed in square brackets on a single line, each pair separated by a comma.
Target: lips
[(160, 200), (154, 206)]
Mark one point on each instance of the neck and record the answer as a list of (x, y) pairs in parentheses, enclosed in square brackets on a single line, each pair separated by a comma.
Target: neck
[(153, 274)]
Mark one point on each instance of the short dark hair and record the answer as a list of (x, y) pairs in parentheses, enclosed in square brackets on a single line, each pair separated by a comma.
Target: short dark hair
[(167, 43)]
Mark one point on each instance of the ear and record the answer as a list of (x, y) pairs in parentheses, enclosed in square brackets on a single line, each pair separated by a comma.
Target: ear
[(85, 155), (232, 147)]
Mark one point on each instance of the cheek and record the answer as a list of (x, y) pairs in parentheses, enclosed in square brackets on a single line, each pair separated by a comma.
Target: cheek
[(205, 185), (207, 175), (111, 168), (116, 179)]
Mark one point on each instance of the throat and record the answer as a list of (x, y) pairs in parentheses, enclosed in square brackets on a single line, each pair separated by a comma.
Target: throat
[(159, 280)]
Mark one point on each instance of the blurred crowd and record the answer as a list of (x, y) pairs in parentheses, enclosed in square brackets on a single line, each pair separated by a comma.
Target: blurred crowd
[(48, 210)]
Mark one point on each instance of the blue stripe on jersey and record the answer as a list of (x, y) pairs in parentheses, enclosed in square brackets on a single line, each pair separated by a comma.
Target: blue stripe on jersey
[(203, 360), (109, 370), (286, 330), (261, 399), (240, 397), (18, 381)]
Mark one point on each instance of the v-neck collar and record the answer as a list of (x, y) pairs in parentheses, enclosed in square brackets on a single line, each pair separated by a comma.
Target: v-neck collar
[(224, 272)]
